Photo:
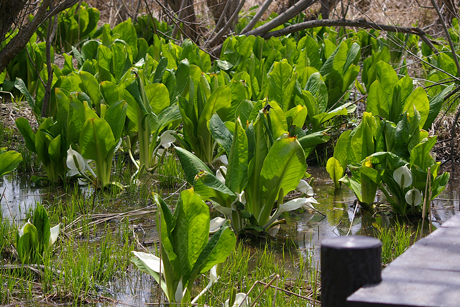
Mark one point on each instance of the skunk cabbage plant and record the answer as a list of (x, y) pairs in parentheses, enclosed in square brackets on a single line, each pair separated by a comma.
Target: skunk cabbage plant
[(9, 160), (35, 238), (185, 248), (258, 176)]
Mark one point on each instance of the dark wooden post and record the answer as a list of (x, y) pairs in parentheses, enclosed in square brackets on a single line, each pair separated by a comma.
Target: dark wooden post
[(348, 263)]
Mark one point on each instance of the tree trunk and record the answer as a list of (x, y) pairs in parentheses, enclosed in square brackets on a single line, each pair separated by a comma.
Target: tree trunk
[(450, 10), (217, 8), (327, 6), (189, 21), (44, 11)]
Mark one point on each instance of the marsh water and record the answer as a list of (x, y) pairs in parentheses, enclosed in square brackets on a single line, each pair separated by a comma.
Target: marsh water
[(335, 215)]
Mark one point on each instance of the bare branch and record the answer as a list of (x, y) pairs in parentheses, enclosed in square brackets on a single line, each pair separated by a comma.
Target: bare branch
[(258, 15), (282, 18), (18, 42), (224, 29), (452, 47), (180, 17)]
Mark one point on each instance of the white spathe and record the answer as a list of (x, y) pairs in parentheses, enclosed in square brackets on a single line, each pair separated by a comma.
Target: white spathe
[(291, 205), (222, 159), (167, 138), (305, 188), (213, 277), (403, 176), (153, 262), (414, 197), (76, 163), (54, 233), (238, 300), (215, 224), (220, 174)]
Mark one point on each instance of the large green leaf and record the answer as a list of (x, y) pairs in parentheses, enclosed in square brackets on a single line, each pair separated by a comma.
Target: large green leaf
[(419, 100), (281, 83), (377, 101), (219, 99), (341, 148), (126, 31), (362, 141), (55, 152), (282, 170), (115, 116), (75, 119), (91, 87), (160, 70), (104, 63), (122, 59), (190, 164), (96, 139), (27, 244), (42, 224), (219, 247), (253, 191), (220, 133), (238, 160), (9, 161), (420, 154), (335, 170), (435, 106), (296, 116), (278, 124), (22, 87), (387, 77), (209, 187), (190, 235), (316, 86), (168, 115), (312, 51), (26, 131), (157, 96), (110, 92), (182, 76)]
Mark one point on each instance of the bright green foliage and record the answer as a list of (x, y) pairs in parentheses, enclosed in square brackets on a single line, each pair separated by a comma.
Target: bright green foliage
[(340, 71), (48, 144), (259, 174), (9, 160), (292, 122), (99, 138), (34, 239), (196, 115), (74, 25), (186, 249), (335, 170), (150, 111), (377, 153)]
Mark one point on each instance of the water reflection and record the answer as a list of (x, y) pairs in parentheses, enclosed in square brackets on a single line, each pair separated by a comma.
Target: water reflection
[(338, 216), (18, 197)]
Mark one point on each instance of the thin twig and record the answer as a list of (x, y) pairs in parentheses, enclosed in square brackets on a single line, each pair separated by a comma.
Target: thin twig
[(49, 38), (256, 18), (229, 23), (221, 18), (291, 293), (353, 219), (452, 47), (262, 292), (180, 17)]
